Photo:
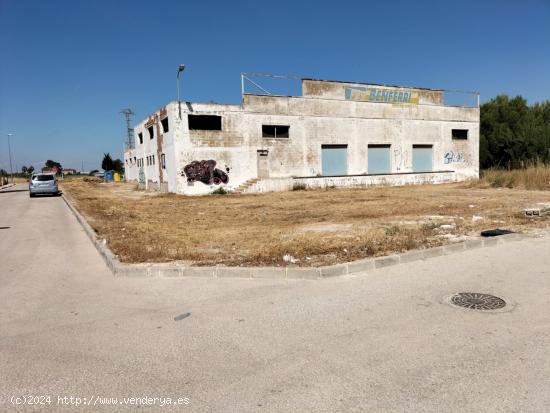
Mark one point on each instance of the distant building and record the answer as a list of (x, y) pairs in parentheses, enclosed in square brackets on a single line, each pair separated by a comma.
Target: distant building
[(335, 134), (69, 171)]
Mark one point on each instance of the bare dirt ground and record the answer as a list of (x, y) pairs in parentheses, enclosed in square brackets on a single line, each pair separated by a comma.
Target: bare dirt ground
[(311, 228)]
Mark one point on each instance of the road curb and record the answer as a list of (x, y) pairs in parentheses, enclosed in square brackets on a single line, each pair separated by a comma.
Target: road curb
[(7, 186), (220, 271)]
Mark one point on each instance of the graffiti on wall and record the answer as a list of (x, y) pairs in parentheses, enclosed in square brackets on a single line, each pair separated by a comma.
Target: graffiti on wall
[(400, 158), (205, 172), (373, 94), (454, 157)]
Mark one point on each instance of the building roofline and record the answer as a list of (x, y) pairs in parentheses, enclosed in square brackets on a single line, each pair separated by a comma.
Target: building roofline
[(372, 84), (302, 78)]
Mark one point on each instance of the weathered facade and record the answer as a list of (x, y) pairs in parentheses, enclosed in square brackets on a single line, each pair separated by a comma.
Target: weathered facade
[(334, 134)]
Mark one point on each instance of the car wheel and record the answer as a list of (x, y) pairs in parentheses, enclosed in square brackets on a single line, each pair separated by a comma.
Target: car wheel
[(31, 195)]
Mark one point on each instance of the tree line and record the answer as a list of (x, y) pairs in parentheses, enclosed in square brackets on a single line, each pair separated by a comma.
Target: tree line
[(514, 134)]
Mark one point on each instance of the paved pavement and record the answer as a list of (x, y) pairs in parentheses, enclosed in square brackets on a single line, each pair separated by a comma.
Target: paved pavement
[(383, 341)]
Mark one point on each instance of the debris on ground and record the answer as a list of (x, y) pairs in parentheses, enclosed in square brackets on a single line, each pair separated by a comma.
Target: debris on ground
[(495, 232), (290, 259)]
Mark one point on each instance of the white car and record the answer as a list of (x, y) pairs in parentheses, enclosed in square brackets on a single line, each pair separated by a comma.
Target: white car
[(43, 184)]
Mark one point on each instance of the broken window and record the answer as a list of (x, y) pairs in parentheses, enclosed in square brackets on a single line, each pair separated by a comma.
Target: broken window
[(204, 122), (151, 132), (140, 136), (275, 131), (460, 133), (164, 123)]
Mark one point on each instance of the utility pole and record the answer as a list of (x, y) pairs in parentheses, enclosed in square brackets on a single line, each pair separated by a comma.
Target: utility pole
[(9, 151), (129, 130), (181, 68)]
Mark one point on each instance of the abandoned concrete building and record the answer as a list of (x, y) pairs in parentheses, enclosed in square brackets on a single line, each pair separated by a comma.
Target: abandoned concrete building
[(334, 134)]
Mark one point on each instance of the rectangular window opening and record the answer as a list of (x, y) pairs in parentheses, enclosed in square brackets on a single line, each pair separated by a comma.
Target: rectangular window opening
[(163, 161), (151, 132), (460, 133), (140, 136), (275, 131), (378, 159), (334, 160), (164, 123), (204, 122), (422, 158)]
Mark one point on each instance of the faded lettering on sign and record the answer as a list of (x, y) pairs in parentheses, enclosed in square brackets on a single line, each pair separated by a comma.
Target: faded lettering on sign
[(373, 94)]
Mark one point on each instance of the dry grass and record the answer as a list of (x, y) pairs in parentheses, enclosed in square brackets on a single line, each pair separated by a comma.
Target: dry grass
[(532, 178), (316, 227)]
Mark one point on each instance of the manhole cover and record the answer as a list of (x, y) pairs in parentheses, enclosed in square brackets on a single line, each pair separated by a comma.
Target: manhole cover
[(477, 301)]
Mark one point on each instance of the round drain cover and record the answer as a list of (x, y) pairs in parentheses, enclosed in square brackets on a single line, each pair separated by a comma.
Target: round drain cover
[(477, 301)]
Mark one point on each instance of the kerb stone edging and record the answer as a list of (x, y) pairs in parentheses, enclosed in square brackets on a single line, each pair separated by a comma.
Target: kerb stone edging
[(221, 271), (7, 186)]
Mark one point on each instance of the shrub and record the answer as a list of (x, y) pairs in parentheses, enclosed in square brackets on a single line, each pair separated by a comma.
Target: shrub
[(220, 191), (299, 186)]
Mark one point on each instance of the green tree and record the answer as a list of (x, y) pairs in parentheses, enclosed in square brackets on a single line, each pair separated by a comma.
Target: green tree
[(514, 134), (118, 166), (107, 163), (51, 164)]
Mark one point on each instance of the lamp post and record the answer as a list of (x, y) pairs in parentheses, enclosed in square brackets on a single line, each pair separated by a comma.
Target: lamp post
[(181, 68), (9, 152)]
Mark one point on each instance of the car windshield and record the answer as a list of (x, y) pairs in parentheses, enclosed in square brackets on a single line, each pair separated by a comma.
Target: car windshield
[(43, 178)]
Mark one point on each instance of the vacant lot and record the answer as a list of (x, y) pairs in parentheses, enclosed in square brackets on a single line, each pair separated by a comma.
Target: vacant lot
[(313, 227)]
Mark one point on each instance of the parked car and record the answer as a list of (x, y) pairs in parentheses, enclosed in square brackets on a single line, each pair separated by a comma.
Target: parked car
[(43, 184)]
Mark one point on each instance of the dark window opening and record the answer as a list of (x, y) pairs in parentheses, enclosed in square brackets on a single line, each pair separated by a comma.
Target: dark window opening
[(43, 178), (151, 132), (275, 131), (140, 136), (163, 161), (204, 122), (460, 133), (164, 123)]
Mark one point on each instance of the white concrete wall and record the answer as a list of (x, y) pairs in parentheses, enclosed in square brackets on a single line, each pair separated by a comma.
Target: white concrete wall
[(313, 122), (362, 181)]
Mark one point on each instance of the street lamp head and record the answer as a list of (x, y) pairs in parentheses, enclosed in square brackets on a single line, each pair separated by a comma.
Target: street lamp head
[(181, 68), (10, 134)]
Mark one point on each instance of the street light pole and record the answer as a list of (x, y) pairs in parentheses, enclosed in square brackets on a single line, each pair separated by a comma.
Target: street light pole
[(181, 68), (9, 151)]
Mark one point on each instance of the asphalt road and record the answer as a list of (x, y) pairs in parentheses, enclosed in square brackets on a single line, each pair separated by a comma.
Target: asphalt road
[(383, 341)]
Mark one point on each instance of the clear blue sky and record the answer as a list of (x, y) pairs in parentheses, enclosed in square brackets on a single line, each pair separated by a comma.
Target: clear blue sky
[(69, 67)]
